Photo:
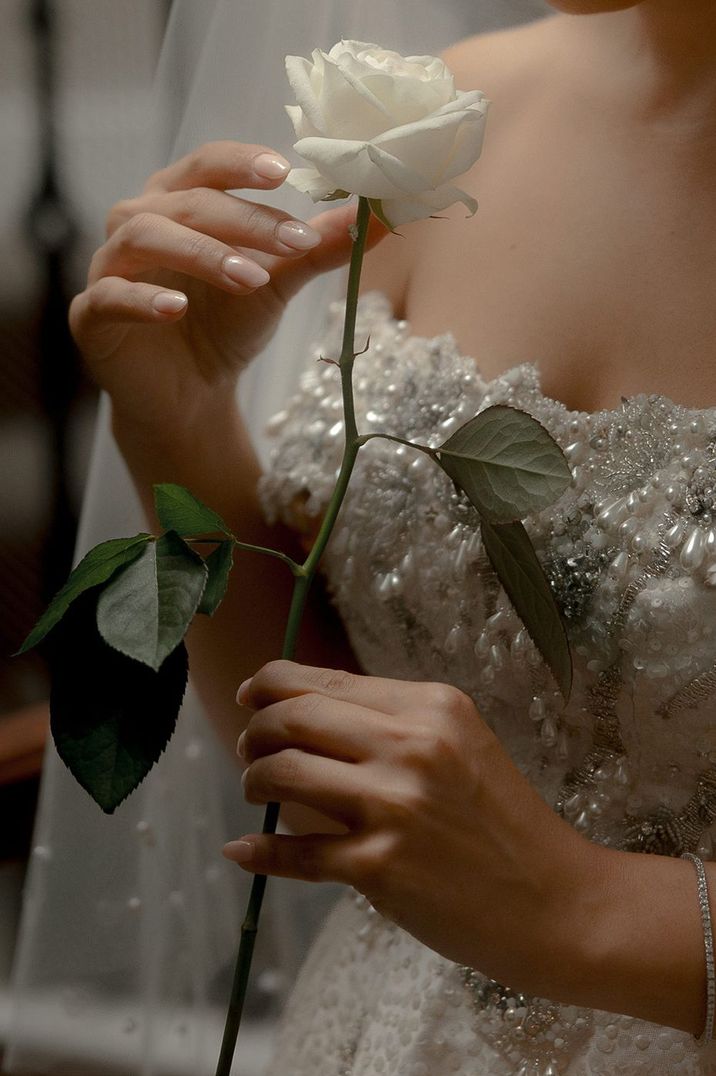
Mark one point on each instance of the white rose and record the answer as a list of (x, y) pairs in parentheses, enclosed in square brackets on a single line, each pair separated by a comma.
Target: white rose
[(389, 128)]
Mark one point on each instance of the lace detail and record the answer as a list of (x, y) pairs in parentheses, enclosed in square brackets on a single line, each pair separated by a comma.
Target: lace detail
[(630, 551)]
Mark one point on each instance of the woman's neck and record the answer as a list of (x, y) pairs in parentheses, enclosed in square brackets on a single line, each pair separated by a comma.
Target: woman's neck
[(660, 58)]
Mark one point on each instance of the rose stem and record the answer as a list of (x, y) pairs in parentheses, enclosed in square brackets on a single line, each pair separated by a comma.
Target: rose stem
[(303, 577)]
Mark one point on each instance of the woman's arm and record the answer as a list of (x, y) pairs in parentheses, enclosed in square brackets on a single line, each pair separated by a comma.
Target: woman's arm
[(170, 317), (23, 735), (222, 469), (448, 839)]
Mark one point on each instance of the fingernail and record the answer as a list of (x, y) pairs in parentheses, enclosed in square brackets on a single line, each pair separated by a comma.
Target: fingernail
[(243, 693), (242, 271), (239, 851), (271, 166), (169, 302), (297, 235), (240, 747)]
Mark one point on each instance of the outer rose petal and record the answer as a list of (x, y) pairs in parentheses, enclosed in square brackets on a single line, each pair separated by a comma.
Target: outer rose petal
[(406, 210), (309, 181), (361, 167), (299, 71), (429, 144), (463, 101), (301, 124), (467, 148)]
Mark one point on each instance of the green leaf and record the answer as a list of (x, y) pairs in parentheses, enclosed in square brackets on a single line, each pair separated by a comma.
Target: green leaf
[(110, 717), (507, 464), (219, 564), (516, 565), (97, 566), (179, 510), (145, 612)]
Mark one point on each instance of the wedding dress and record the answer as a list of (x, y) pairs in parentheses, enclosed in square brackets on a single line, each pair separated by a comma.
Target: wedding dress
[(630, 550)]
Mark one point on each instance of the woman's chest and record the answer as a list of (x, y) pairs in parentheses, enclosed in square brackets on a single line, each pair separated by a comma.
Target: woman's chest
[(598, 269)]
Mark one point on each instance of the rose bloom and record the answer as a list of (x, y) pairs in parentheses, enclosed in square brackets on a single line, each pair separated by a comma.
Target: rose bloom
[(390, 128)]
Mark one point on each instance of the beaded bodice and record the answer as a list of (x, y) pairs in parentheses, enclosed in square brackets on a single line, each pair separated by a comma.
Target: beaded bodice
[(630, 552)]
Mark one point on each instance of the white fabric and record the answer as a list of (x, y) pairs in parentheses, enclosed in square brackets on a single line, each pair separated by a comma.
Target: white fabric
[(130, 922)]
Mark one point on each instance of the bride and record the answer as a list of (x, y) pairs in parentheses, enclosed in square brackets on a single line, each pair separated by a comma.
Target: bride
[(495, 836)]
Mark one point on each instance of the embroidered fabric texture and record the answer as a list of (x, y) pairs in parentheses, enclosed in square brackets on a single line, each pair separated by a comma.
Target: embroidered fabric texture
[(630, 550)]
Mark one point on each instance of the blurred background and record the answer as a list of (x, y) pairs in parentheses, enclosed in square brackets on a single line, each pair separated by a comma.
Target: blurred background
[(75, 135)]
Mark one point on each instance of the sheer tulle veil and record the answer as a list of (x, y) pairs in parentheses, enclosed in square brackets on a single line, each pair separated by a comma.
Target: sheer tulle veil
[(130, 921)]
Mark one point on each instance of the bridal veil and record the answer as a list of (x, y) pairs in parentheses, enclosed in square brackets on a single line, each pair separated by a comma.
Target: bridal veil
[(130, 922)]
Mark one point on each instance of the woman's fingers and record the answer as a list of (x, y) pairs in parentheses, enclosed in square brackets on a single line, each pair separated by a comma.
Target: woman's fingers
[(223, 165), (224, 217), (101, 315), (312, 858), (333, 251), (313, 722), (360, 860), (148, 242), (334, 788), (284, 679)]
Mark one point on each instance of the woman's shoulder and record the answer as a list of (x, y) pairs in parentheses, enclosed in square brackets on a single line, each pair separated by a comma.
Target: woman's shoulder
[(509, 67), (505, 60)]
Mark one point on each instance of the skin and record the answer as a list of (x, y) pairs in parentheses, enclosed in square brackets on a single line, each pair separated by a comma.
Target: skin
[(380, 760)]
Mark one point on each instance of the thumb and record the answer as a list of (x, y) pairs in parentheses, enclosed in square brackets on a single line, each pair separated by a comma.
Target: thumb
[(333, 251)]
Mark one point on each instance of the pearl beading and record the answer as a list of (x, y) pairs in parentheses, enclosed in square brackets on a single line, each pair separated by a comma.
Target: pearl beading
[(630, 551)]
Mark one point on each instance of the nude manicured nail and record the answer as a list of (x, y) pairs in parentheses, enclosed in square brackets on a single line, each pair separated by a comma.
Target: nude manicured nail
[(239, 851), (243, 693), (241, 746), (297, 235), (242, 271), (169, 302), (271, 166)]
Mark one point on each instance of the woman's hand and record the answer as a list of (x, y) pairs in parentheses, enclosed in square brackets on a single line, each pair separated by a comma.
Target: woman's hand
[(192, 281), (443, 834)]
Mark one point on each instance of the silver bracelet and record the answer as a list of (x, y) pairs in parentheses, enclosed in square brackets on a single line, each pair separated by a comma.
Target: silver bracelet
[(705, 906)]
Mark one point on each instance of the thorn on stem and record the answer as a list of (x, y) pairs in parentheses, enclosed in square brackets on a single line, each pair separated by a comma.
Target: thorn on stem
[(364, 349), (330, 362)]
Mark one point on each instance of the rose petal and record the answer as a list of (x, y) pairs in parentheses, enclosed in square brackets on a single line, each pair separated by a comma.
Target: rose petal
[(397, 171), (430, 144), (435, 68), (309, 181), (360, 167), (301, 124), (407, 101), (406, 210), (402, 96), (385, 88), (467, 148), (298, 71), (351, 110), (463, 101), (346, 45)]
